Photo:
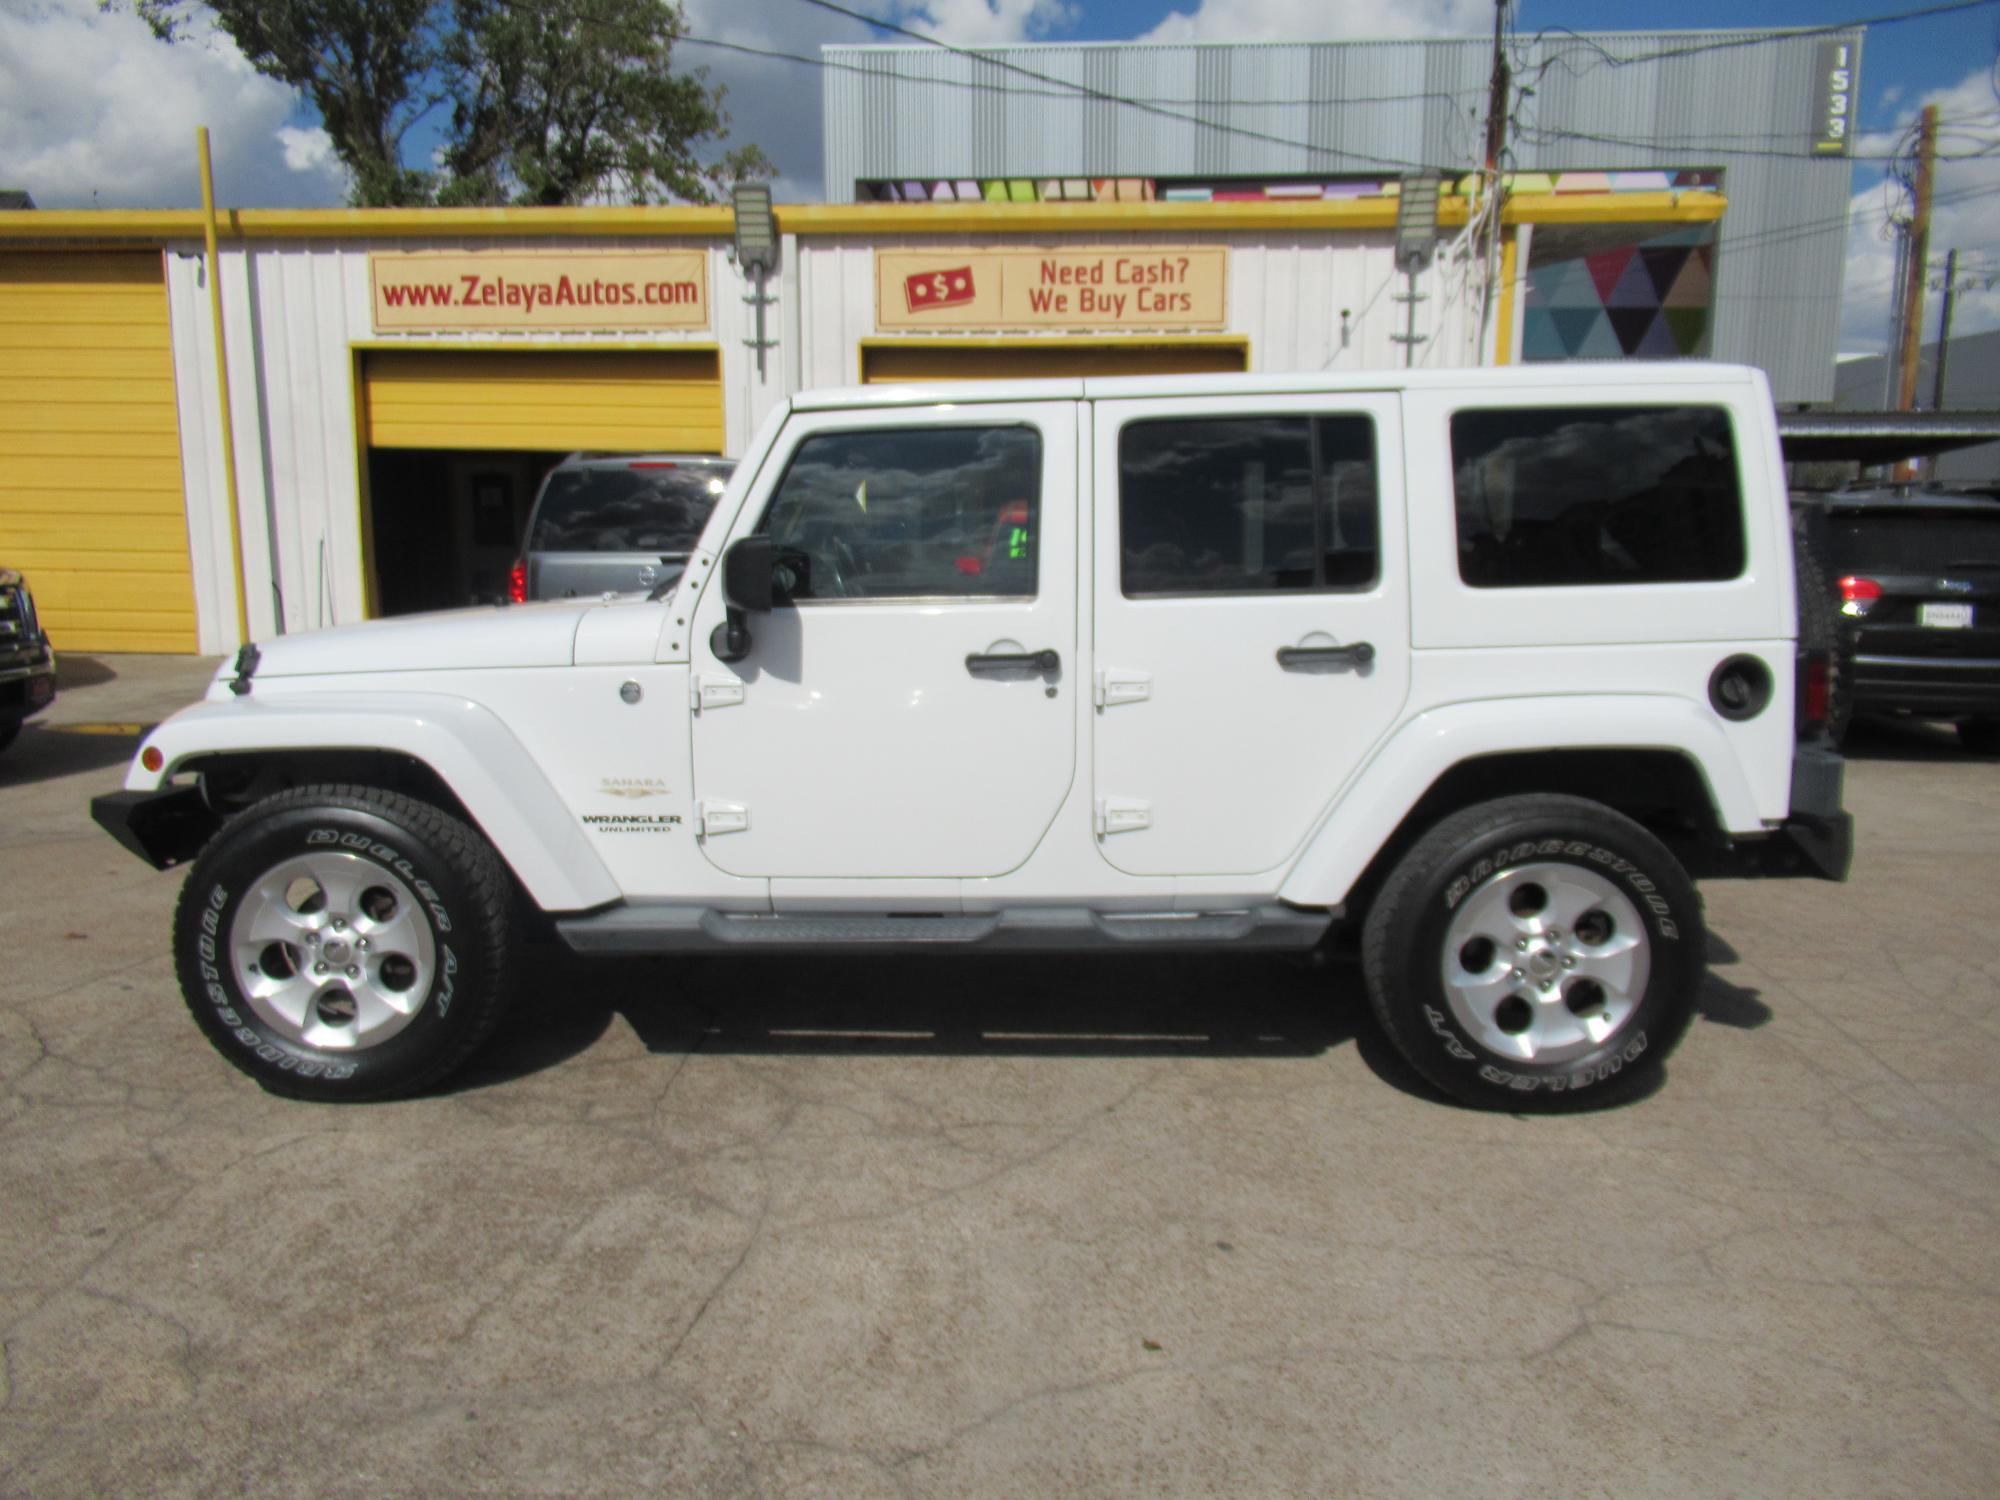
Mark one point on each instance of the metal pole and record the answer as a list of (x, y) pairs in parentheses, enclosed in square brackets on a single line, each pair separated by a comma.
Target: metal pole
[(1944, 330), (222, 380), (1920, 246)]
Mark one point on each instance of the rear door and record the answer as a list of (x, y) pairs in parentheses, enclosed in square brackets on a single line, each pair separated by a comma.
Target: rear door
[(1252, 621)]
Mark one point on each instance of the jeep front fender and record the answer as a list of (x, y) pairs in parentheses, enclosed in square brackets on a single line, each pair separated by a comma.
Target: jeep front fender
[(466, 744), (1409, 763)]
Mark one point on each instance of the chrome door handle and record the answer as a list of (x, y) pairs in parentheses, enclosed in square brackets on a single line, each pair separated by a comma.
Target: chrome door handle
[(1357, 655), (1014, 661)]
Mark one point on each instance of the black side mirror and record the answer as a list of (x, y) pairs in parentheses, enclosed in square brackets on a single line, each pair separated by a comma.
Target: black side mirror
[(746, 589), (746, 574)]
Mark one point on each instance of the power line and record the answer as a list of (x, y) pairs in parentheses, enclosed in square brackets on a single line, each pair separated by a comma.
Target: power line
[(971, 85), (1544, 135), (1105, 97), (1721, 44)]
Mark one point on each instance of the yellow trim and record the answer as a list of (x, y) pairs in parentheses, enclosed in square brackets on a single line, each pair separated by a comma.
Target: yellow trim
[(1056, 341), (714, 222), (1503, 337), (1095, 341), (1611, 208), (357, 386), (222, 382), (542, 344)]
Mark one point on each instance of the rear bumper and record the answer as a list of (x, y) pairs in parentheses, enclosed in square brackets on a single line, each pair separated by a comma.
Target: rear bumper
[(1934, 686), (164, 828), (27, 687), (1816, 839)]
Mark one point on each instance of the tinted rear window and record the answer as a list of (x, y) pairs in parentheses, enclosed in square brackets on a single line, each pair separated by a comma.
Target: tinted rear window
[(1907, 539), (1596, 495), (609, 509)]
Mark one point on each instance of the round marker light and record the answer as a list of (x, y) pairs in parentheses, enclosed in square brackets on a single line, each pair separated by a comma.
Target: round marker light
[(151, 758)]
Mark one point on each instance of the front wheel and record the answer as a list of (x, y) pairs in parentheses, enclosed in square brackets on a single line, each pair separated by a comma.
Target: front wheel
[(344, 942), (1536, 952)]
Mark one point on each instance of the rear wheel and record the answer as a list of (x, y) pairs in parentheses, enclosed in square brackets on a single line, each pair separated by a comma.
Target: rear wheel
[(9, 732), (1537, 952), (343, 942)]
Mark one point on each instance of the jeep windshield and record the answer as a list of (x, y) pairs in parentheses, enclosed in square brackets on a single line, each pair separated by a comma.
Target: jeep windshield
[(644, 506)]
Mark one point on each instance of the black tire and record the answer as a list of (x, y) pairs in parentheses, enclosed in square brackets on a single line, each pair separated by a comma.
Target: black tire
[(1406, 943), (9, 732), (460, 899), (1980, 735)]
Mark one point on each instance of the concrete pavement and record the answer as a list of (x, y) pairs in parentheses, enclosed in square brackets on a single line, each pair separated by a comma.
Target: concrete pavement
[(855, 1228)]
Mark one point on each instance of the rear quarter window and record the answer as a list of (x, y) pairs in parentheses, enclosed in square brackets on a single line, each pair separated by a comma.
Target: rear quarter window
[(1596, 495)]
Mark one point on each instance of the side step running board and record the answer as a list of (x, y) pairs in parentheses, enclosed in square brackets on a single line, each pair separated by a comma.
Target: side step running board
[(659, 928)]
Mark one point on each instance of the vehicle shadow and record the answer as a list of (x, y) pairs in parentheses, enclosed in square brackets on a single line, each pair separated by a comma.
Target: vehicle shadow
[(1195, 1005), (47, 751), (78, 671), (1901, 739)]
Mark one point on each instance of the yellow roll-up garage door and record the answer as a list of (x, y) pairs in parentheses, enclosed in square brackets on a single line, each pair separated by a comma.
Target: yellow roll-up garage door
[(1041, 359), (91, 506), (639, 401)]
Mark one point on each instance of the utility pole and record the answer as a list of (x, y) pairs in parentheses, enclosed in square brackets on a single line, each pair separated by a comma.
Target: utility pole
[(1944, 330), (1496, 96), (1918, 265), (1496, 145)]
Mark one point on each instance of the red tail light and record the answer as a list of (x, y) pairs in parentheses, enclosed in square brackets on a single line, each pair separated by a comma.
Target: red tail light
[(1858, 595), (517, 582), (1815, 691)]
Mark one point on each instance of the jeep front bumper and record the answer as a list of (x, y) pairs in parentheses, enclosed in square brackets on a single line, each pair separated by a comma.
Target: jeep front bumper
[(164, 828)]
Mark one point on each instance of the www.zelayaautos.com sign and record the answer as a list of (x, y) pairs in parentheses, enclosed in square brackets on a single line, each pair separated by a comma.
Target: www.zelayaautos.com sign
[(582, 290)]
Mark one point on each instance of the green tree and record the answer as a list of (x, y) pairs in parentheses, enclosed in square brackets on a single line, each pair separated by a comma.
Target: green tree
[(370, 67), (551, 101), (560, 101)]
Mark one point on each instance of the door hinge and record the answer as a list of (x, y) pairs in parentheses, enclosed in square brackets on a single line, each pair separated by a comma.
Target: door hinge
[(1114, 687), (713, 692), (1122, 815), (723, 817)]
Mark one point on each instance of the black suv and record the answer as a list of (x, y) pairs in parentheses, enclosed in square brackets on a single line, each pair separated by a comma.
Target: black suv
[(1917, 574), (27, 665)]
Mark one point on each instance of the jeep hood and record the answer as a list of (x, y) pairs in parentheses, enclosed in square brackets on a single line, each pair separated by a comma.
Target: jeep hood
[(519, 635)]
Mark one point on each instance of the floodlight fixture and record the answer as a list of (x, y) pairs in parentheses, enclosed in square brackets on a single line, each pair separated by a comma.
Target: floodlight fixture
[(756, 227), (1417, 221)]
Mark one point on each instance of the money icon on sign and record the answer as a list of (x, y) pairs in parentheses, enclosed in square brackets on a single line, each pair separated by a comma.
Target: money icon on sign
[(928, 289)]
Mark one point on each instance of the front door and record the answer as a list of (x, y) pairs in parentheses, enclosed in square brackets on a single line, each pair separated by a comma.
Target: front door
[(1252, 621), (911, 712)]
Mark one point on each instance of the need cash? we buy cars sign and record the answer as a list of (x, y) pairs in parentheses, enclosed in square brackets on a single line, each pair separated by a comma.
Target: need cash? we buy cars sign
[(575, 291), (1110, 288)]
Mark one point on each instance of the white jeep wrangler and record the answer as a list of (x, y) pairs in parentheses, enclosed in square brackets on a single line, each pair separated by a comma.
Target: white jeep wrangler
[(1471, 663)]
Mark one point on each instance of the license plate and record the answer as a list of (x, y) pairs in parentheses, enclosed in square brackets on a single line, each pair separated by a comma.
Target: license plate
[(1945, 616)]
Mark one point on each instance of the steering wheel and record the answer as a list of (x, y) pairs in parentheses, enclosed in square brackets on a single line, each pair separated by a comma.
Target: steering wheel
[(836, 567)]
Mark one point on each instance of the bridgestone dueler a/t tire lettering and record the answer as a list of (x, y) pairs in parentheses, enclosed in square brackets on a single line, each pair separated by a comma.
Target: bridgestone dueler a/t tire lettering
[(458, 918), (1409, 938)]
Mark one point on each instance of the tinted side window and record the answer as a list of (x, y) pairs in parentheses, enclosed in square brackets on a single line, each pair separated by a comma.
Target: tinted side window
[(1608, 494), (645, 508), (1226, 505), (912, 512)]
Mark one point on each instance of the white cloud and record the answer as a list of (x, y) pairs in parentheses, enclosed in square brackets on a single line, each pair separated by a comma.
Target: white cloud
[(982, 23), (1322, 20), (1965, 216), (96, 112)]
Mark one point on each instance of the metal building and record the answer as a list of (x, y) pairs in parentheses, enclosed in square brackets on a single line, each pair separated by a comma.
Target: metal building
[(1762, 117)]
